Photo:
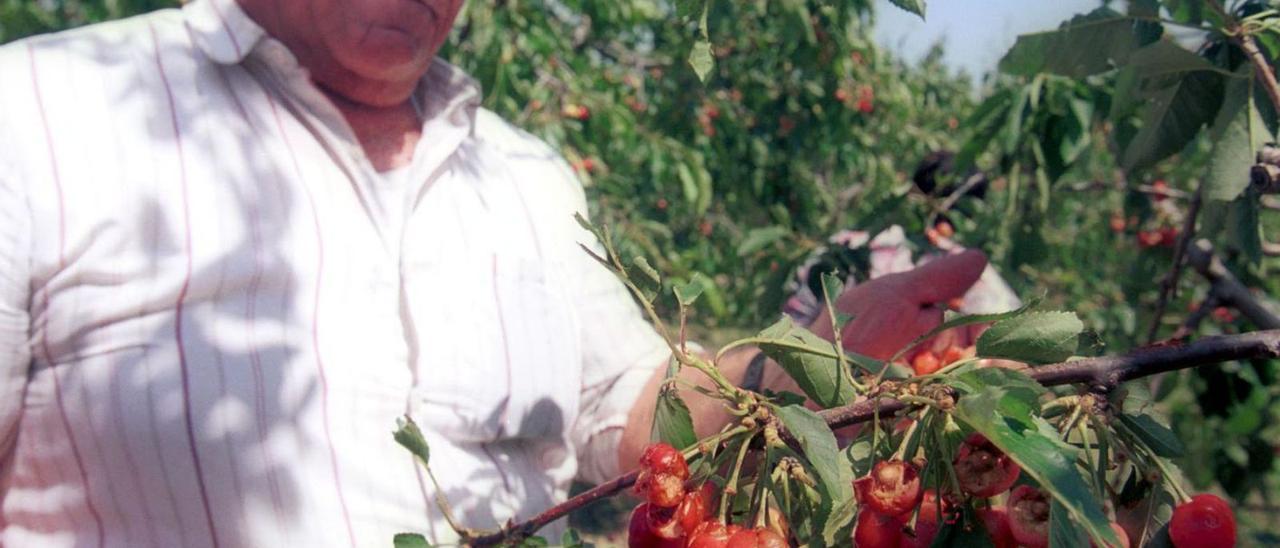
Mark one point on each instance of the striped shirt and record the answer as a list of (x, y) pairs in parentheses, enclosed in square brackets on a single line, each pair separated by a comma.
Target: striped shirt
[(213, 308)]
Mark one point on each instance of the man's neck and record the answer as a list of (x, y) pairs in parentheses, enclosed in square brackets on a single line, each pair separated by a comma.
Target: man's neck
[(388, 135)]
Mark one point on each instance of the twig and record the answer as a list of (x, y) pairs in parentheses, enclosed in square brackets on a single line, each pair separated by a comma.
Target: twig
[(1169, 285), (1244, 40)]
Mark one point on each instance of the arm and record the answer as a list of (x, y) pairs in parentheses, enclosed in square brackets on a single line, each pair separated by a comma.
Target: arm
[(889, 312)]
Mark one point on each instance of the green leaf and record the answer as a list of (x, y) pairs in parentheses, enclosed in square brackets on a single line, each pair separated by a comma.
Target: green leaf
[(410, 436), (571, 539), (1063, 532), (839, 523), (1238, 133), (1013, 384), (410, 540), (1158, 437), (760, 238), (671, 420), (810, 360), (961, 321), (1087, 44), (913, 6), (648, 281), (820, 449), (1006, 416), (1034, 337), (1172, 117), (701, 59), (688, 8), (687, 293)]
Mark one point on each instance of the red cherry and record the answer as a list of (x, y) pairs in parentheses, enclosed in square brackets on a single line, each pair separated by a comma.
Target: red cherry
[(695, 508), (955, 353), (945, 229), (662, 458), (876, 530), (996, 521), (1224, 314), (865, 106), (710, 534), (665, 490), (927, 527), (1117, 223), (662, 204), (1148, 238), (756, 538), (1168, 236), (1203, 521), (892, 487), (1029, 516), (925, 363), (640, 536), (1160, 190), (705, 228), (982, 469), (664, 523)]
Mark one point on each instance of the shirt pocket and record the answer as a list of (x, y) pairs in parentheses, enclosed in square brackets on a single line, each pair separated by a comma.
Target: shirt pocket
[(497, 350)]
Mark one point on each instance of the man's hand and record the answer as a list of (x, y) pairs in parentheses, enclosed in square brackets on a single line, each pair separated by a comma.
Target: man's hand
[(891, 311)]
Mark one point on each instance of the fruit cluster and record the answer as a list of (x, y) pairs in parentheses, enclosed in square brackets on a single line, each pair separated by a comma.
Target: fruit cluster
[(675, 515), (928, 362)]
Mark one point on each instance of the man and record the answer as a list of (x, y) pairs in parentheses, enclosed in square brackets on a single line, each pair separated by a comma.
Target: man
[(237, 240)]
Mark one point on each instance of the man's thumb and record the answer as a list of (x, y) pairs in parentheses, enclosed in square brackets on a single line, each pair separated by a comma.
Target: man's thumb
[(945, 278)]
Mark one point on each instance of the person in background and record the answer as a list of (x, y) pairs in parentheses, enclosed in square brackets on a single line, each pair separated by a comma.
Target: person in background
[(240, 238)]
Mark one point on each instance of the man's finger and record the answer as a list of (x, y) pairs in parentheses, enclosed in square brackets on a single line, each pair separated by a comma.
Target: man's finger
[(943, 279)]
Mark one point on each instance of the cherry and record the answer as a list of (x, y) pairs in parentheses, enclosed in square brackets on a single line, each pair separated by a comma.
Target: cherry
[(842, 94), (876, 530), (892, 487), (712, 534), (955, 353), (1149, 238), (664, 523), (1203, 521), (1117, 223), (945, 229), (695, 508), (662, 458), (665, 490), (865, 106), (639, 535), (1029, 516), (982, 469), (756, 538), (1160, 190), (925, 363), (996, 521)]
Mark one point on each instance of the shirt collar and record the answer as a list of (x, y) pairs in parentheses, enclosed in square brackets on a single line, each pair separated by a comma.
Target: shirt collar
[(222, 29)]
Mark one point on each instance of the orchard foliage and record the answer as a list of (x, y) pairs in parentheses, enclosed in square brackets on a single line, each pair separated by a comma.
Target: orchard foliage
[(724, 141)]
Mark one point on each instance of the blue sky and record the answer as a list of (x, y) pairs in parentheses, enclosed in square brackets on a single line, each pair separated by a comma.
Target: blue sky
[(975, 33)]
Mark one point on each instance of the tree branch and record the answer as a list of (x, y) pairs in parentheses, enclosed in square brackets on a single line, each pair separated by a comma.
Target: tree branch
[(1102, 372), (1169, 285)]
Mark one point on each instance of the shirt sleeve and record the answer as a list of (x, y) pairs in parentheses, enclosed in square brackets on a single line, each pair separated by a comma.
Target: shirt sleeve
[(621, 351), (15, 353)]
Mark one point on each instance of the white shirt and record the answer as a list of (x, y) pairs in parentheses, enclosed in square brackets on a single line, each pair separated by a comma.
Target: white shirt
[(211, 316)]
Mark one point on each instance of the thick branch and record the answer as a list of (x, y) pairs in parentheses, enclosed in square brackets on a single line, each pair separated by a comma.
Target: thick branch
[(1227, 287), (1104, 371)]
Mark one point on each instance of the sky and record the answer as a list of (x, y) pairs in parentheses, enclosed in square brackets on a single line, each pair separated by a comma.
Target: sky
[(975, 33)]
